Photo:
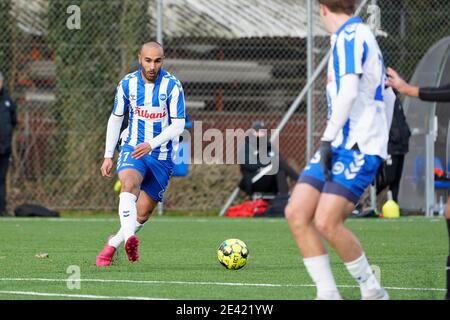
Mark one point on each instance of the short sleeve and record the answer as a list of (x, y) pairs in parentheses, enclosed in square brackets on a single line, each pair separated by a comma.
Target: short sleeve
[(176, 102)]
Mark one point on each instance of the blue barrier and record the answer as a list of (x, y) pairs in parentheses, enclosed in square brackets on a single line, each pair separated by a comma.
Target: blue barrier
[(181, 166)]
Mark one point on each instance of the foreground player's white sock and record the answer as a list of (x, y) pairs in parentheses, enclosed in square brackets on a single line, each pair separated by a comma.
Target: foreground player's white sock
[(363, 274), (118, 239), (127, 213), (320, 272)]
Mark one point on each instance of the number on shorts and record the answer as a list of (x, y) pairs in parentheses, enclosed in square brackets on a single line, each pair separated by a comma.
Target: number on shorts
[(123, 157)]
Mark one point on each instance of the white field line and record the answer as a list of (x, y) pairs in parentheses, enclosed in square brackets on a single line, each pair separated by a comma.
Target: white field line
[(201, 220), (202, 283), (196, 220), (157, 220), (82, 296)]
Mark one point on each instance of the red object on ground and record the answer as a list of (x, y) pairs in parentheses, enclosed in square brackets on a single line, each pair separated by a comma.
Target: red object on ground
[(247, 209)]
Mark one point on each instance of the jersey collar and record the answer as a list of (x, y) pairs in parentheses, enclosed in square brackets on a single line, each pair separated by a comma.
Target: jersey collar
[(350, 21)]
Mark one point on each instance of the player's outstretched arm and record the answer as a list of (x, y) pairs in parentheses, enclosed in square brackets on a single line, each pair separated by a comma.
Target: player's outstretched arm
[(396, 82), (439, 94), (436, 94)]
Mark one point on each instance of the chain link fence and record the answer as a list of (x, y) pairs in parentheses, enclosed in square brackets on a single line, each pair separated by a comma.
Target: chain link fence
[(239, 61)]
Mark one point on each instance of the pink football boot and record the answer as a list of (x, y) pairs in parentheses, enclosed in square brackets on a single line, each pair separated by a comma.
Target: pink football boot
[(105, 256), (131, 247)]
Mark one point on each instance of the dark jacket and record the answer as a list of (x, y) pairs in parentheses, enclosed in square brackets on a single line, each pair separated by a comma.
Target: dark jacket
[(8, 120), (257, 154), (251, 154), (399, 133), (250, 161), (439, 94)]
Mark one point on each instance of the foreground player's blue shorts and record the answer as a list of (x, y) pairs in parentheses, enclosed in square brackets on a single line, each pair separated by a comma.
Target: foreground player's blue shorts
[(352, 173), (156, 172)]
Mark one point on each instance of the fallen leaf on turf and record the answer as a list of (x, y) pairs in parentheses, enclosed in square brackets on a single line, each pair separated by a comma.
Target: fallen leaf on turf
[(41, 255)]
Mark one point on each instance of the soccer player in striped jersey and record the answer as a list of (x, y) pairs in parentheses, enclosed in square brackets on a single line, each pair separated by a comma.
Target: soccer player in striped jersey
[(154, 100), (351, 149)]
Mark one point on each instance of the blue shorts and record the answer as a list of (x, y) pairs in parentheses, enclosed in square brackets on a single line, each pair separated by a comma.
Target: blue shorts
[(156, 172), (352, 173)]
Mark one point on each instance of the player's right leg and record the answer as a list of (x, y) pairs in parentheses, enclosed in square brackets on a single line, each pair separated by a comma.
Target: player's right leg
[(145, 206), (300, 216), (330, 215), (351, 175), (131, 172), (152, 187), (130, 180)]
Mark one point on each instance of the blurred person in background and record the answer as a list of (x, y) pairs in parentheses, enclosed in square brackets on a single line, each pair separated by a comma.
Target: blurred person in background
[(432, 94), (8, 121), (256, 149), (390, 172)]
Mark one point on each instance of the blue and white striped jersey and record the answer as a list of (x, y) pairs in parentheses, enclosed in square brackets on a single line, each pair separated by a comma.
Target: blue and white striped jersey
[(356, 51), (151, 107)]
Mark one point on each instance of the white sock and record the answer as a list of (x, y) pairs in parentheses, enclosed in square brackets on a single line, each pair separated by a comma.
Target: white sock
[(320, 272), (127, 214), (118, 239), (363, 274)]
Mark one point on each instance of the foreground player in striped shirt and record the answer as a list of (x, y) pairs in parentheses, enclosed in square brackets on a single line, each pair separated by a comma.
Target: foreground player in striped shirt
[(351, 149), (155, 102)]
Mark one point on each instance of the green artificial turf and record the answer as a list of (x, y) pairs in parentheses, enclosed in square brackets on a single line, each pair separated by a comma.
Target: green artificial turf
[(178, 259)]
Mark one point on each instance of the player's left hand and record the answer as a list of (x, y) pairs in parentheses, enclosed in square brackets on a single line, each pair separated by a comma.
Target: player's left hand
[(141, 150), (326, 155)]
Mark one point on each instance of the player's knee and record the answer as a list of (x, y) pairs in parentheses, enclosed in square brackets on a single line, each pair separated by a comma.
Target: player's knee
[(296, 216), (290, 212), (143, 213), (326, 227), (143, 218), (128, 185)]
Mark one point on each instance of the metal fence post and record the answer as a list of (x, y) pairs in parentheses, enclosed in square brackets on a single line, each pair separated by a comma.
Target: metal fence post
[(309, 99), (160, 19)]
